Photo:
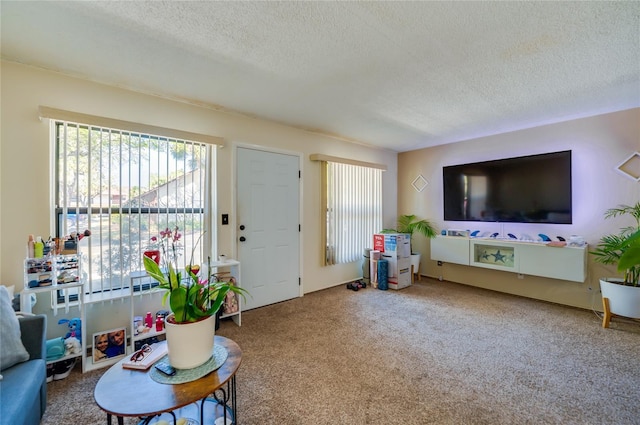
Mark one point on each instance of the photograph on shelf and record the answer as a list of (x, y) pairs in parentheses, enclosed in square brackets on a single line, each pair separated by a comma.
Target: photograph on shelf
[(109, 344)]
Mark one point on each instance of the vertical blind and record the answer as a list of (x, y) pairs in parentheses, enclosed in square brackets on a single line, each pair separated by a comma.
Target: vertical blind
[(354, 210), (126, 187)]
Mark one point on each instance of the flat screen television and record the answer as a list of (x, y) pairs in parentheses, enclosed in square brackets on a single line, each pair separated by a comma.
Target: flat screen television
[(526, 189)]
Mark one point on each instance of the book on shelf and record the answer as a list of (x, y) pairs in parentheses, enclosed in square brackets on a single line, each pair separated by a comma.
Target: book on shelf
[(147, 357)]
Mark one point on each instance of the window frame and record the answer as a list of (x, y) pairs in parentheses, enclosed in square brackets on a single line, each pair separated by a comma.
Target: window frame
[(330, 257), (207, 201)]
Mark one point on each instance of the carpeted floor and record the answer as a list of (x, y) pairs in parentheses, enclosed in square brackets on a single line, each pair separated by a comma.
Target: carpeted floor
[(434, 353)]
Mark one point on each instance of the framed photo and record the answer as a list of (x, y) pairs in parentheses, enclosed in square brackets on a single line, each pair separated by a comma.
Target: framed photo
[(109, 344)]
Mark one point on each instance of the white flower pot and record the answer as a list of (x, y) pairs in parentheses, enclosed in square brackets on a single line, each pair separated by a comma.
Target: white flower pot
[(415, 262), (623, 300), (190, 344)]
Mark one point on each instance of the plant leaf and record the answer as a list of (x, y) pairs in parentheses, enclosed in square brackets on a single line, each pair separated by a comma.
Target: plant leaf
[(153, 270), (177, 302), (630, 259)]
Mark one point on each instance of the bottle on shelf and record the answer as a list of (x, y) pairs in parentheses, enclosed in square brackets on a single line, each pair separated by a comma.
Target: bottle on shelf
[(148, 320), (159, 324), (30, 246), (38, 248)]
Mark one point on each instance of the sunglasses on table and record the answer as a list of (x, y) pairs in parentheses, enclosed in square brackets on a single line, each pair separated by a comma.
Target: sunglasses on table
[(141, 353)]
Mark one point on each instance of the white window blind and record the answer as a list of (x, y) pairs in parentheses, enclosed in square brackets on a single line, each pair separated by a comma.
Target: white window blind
[(354, 210), (126, 187)]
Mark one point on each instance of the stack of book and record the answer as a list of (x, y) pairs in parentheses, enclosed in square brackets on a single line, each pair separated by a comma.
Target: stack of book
[(144, 359)]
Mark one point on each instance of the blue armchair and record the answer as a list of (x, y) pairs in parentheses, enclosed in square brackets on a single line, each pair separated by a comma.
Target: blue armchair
[(23, 387)]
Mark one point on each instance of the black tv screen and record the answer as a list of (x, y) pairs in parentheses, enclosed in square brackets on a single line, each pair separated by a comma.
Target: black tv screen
[(526, 189)]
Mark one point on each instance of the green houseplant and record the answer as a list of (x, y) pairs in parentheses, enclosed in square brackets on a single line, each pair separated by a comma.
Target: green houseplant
[(410, 223), (621, 296), (193, 302), (192, 299)]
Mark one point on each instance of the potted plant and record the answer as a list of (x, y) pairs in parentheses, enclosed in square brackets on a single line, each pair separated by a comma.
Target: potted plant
[(410, 223), (621, 296), (193, 302)]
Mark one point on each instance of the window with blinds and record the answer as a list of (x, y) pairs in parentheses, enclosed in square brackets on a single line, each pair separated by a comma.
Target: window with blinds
[(354, 210), (126, 187)]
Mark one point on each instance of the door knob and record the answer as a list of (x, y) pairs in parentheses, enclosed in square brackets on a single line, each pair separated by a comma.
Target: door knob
[(242, 227), (242, 239)]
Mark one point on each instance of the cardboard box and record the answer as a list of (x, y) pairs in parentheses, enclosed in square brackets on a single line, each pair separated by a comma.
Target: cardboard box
[(396, 265), (398, 244), (403, 280)]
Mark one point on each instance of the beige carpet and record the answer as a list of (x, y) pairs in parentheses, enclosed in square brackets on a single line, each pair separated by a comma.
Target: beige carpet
[(434, 353)]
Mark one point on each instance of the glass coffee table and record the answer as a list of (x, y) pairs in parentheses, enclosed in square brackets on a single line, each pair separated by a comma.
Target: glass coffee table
[(133, 393)]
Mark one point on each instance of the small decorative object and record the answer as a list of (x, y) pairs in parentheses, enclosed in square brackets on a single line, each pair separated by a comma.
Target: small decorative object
[(193, 302), (577, 241), (230, 305), (419, 183), (72, 346), (75, 328), (629, 167), (154, 254)]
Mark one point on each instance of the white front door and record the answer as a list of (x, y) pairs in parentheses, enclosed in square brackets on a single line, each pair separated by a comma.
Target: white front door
[(268, 221)]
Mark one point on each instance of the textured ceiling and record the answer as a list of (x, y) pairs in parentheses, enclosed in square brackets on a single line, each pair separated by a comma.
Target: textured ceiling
[(400, 75)]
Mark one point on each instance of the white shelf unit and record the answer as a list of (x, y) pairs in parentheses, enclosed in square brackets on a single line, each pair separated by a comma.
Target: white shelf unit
[(36, 268), (136, 280), (63, 277), (112, 296), (535, 259), (125, 294), (233, 268)]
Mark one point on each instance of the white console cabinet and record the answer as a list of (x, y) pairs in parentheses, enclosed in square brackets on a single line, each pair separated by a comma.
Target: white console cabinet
[(535, 259)]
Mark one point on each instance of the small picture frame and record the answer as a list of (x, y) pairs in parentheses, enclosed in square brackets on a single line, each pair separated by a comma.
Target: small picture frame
[(109, 344)]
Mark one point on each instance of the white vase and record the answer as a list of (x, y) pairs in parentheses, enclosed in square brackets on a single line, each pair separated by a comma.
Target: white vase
[(623, 300), (190, 344)]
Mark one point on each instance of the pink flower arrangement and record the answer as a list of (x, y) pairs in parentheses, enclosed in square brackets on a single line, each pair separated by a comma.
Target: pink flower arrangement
[(169, 244)]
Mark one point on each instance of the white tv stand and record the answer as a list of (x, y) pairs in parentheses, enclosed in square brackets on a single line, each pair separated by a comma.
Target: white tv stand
[(535, 259)]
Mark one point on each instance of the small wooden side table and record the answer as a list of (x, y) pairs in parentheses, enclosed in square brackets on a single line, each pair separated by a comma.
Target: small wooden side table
[(124, 392)]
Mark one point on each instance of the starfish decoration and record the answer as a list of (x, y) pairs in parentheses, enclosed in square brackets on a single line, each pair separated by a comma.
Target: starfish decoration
[(498, 257), (484, 255)]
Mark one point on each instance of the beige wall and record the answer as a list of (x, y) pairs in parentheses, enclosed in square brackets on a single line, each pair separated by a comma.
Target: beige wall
[(25, 176), (599, 144)]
